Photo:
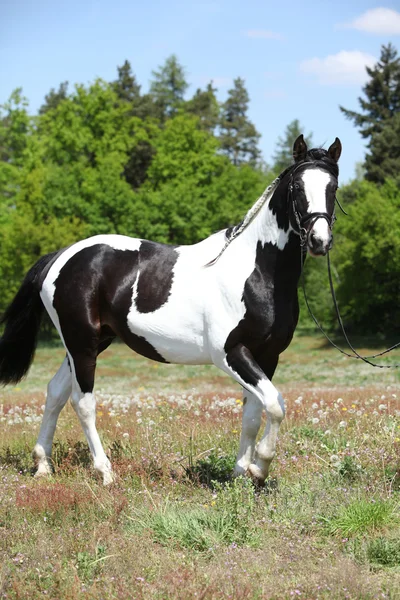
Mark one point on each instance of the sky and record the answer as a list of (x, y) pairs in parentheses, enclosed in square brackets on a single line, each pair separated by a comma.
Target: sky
[(300, 60)]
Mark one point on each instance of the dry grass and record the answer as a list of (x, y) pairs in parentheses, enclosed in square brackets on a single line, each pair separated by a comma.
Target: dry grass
[(159, 532)]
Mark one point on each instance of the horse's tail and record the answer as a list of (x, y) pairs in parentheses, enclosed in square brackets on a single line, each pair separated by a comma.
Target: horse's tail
[(22, 321)]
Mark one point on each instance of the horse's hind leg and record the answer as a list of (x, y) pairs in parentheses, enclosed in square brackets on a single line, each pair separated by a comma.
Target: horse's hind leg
[(58, 392), (84, 403)]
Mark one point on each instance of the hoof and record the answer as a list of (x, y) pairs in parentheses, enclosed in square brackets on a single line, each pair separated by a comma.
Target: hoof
[(43, 471), (108, 478), (256, 475)]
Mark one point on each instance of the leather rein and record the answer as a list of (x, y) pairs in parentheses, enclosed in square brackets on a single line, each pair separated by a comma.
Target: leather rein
[(305, 223)]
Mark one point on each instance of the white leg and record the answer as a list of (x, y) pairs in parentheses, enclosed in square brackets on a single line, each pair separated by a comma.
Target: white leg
[(268, 398), (85, 408), (251, 420), (265, 452), (58, 392)]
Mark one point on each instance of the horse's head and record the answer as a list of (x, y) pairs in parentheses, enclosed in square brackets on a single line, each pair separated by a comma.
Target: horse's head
[(313, 181)]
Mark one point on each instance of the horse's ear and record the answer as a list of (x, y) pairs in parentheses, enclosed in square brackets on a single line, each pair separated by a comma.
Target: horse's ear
[(299, 149), (335, 150)]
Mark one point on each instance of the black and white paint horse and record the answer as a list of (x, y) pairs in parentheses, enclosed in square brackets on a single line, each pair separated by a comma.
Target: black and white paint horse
[(180, 305)]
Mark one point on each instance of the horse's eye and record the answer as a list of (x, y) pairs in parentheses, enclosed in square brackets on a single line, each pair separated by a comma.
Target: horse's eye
[(296, 185)]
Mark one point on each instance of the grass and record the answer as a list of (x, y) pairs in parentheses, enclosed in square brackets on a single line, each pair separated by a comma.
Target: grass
[(175, 525)]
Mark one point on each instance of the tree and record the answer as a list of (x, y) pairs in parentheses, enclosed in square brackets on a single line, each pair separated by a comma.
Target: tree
[(383, 159), (168, 87), (238, 135), (379, 109), (128, 92), (54, 97), (204, 105), (368, 258), (283, 155)]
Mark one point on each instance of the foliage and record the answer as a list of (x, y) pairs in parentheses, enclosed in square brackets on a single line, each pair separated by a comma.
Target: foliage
[(169, 86), (384, 551), (378, 121), (283, 155), (368, 251), (228, 520), (238, 136), (361, 516)]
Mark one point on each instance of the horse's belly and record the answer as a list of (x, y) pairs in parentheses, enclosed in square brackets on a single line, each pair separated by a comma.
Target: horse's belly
[(175, 339)]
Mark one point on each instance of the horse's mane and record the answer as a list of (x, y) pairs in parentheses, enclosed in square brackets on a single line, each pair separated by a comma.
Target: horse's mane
[(317, 157)]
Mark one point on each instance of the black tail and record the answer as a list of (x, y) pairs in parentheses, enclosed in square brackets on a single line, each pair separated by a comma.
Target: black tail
[(22, 321)]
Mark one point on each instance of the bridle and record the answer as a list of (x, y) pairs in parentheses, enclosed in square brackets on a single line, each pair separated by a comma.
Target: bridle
[(306, 222)]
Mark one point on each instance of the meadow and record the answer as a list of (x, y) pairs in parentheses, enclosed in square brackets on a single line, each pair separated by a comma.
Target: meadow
[(174, 524)]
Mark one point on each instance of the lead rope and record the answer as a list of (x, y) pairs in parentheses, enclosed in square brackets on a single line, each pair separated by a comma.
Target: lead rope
[(355, 354)]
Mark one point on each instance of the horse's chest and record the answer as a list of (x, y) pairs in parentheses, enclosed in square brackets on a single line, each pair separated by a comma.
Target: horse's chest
[(269, 319)]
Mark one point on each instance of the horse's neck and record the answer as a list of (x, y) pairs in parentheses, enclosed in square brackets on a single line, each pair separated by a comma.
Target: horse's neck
[(276, 246), (271, 224)]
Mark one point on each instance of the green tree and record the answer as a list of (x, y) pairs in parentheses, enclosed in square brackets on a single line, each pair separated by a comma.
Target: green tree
[(368, 258), (383, 158), (143, 107), (15, 128), (283, 155), (378, 112), (204, 105), (238, 136), (75, 158), (54, 97), (168, 87)]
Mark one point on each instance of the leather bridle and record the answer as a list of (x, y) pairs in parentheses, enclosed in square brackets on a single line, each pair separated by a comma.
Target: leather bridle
[(306, 222)]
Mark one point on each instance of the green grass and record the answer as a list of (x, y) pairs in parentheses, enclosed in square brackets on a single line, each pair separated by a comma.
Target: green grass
[(175, 524), (362, 516)]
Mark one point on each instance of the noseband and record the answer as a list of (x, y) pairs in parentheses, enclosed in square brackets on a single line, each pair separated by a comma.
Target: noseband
[(306, 222)]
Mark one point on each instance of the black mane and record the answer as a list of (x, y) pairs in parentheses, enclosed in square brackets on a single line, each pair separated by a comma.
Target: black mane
[(317, 157)]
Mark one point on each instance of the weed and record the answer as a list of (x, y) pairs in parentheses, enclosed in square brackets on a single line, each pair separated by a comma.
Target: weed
[(227, 520), (349, 469), (384, 551), (361, 516), (215, 468)]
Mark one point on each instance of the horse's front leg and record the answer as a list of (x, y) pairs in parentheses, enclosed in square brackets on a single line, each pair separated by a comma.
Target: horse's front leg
[(251, 421), (241, 364)]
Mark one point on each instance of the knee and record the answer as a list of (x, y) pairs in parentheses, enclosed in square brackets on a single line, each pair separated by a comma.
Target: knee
[(85, 406), (276, 410)]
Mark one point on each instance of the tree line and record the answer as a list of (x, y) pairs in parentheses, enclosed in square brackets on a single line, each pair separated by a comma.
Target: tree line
[(108, 158)]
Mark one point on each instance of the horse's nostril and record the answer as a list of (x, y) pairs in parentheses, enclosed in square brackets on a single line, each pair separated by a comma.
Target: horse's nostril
[(313, 239)]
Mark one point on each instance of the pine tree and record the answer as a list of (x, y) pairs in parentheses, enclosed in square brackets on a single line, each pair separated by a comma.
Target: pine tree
[(238, 136), (169, 86), (283, 155), (379, 117), (54, 97), (204, 105), (128, 91)]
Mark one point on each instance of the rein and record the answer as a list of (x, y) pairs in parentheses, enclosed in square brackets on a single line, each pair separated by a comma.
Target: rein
[(355, 354), (304, 233)]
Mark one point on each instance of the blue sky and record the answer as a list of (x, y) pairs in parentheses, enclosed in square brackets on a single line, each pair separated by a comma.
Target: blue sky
[(299, 59)]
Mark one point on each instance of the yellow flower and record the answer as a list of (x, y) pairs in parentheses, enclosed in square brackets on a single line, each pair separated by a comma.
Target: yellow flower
[(344, 408), (100, 413)]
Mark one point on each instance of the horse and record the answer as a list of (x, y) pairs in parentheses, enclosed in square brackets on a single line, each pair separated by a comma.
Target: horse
[(229, 300)]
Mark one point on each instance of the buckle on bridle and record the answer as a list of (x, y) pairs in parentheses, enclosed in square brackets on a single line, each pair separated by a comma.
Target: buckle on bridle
[(303, 236)]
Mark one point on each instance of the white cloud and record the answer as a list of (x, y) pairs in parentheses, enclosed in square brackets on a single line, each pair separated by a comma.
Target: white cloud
[(377, 20), (264, 34), (345, 67)]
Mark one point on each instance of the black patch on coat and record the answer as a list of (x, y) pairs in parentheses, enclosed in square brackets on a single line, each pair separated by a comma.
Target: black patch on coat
[(92, 298), (156, 264), (272, 310)]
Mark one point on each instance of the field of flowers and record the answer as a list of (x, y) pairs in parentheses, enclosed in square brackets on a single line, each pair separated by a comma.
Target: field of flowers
[(174, 524)]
